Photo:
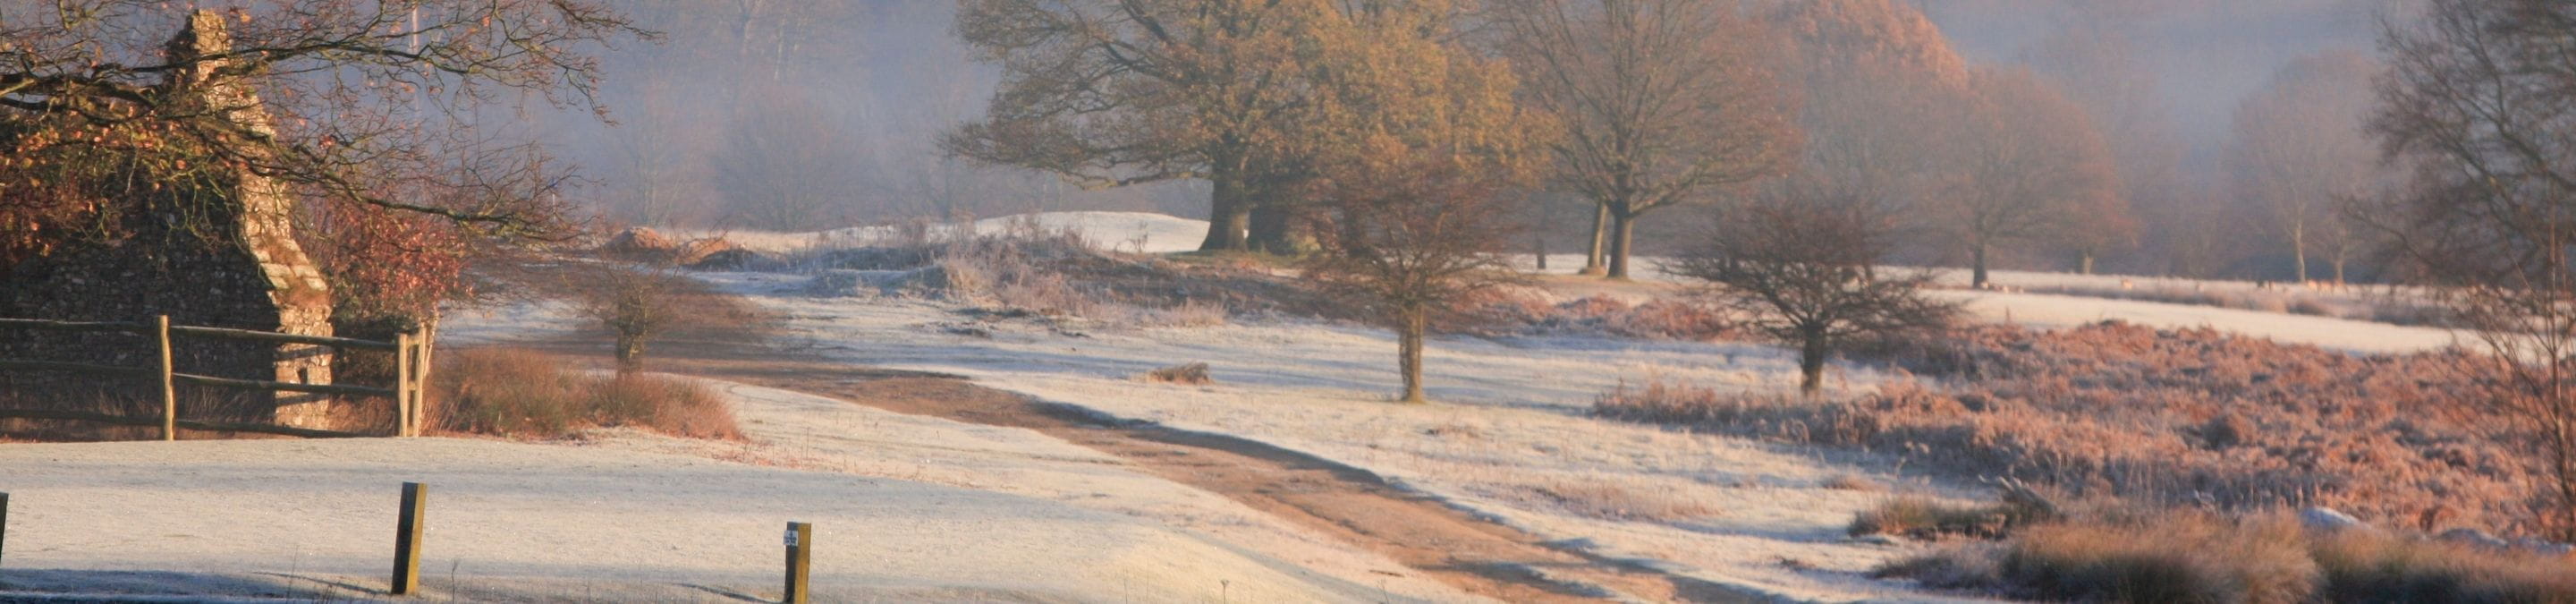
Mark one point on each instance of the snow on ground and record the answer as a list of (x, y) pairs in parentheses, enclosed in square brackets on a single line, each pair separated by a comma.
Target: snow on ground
[(1144, 232), (905, 509), (1510, 438)]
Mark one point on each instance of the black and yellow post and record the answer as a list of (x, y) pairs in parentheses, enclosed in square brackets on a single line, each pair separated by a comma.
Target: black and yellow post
[(407, 540), (800, 561)]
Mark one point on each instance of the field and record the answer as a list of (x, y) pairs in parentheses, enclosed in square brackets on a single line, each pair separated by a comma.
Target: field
[(1526, 434)]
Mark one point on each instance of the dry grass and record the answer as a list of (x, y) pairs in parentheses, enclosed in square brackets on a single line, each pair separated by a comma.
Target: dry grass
[(1190, 374), (1852, 482), (676, 406), (1922, 518), (2161, 418), (201, 403), (1611, 500), (1517, 312), (1057, 273), (524, 394), (2187, 556), (2343, 303), (2377, 567)]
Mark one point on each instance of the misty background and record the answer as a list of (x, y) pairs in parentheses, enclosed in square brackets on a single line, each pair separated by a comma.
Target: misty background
[(795, 115)]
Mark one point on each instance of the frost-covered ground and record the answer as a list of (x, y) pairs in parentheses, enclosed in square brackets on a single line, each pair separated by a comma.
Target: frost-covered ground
[(1509, 438), (906, 508), (2024, 298), (1142, 232)]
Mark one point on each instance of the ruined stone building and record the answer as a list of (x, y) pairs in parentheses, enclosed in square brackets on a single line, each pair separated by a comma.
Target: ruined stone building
[(219, 255)]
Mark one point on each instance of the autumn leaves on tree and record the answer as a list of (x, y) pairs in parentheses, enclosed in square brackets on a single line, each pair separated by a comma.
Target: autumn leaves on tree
[(1387, 127), (358, 103)]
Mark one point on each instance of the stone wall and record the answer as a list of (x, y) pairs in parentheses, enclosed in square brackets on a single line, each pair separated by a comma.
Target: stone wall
[(222, 256)]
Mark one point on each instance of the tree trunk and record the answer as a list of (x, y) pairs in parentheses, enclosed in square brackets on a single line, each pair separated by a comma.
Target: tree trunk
[(1978, 278), (1811, 366), (2339, 262), (1269, 228), (1539, 240), (2087, 262), (1409, 351), (1592, 264), (2299, 250), (1623, 231), (1228, 216), (630, 353)]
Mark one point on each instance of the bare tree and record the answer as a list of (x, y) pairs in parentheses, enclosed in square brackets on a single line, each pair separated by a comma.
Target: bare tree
[(1661, 101), (657, 180), (1881, 83), (1802, 268), (2031, 167), (2095, 63), (2299, 146), (357, 93), (786, 164), (2479, 105), (636, 306)]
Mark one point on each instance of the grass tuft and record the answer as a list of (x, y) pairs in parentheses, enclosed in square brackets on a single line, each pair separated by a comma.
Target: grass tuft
[(519, 393)]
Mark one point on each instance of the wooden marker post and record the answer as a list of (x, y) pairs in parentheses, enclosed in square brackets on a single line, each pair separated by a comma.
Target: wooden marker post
[(407, 540), (169, 393), (403, 398), (4, 521), (800, 561)]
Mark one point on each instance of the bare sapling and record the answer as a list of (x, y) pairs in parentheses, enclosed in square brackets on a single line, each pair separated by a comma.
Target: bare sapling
[(1803, 270), (635, 306), (1405, 247)]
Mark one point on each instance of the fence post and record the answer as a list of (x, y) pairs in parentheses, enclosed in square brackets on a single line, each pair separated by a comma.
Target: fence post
[(425, 341), (402, 384), (800, 560), (407, 533), (4, 522), (169, 392)]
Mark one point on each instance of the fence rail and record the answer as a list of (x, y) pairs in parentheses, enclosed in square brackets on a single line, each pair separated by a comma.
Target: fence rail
[(411, 352)]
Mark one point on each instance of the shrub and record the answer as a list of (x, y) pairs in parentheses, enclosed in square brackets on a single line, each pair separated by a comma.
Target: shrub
[(524, 394), (506, 392), (2184, 558), (2377, 567), (1923, 518), (670, 405), (2189, 556), (1193, 374)]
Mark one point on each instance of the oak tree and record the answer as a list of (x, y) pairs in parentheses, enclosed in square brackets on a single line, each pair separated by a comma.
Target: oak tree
[(1123, 92), (2029, 167), (1662, 102), (1416, 137)]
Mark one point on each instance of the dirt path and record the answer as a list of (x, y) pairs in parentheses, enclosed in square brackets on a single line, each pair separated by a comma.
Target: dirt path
[(1355, 506)]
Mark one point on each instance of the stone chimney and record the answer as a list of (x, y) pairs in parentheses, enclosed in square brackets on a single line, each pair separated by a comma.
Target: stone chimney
[(220, 254), (265, 224)]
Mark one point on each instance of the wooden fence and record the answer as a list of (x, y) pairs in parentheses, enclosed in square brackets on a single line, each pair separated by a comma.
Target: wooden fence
[(411, 352)]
